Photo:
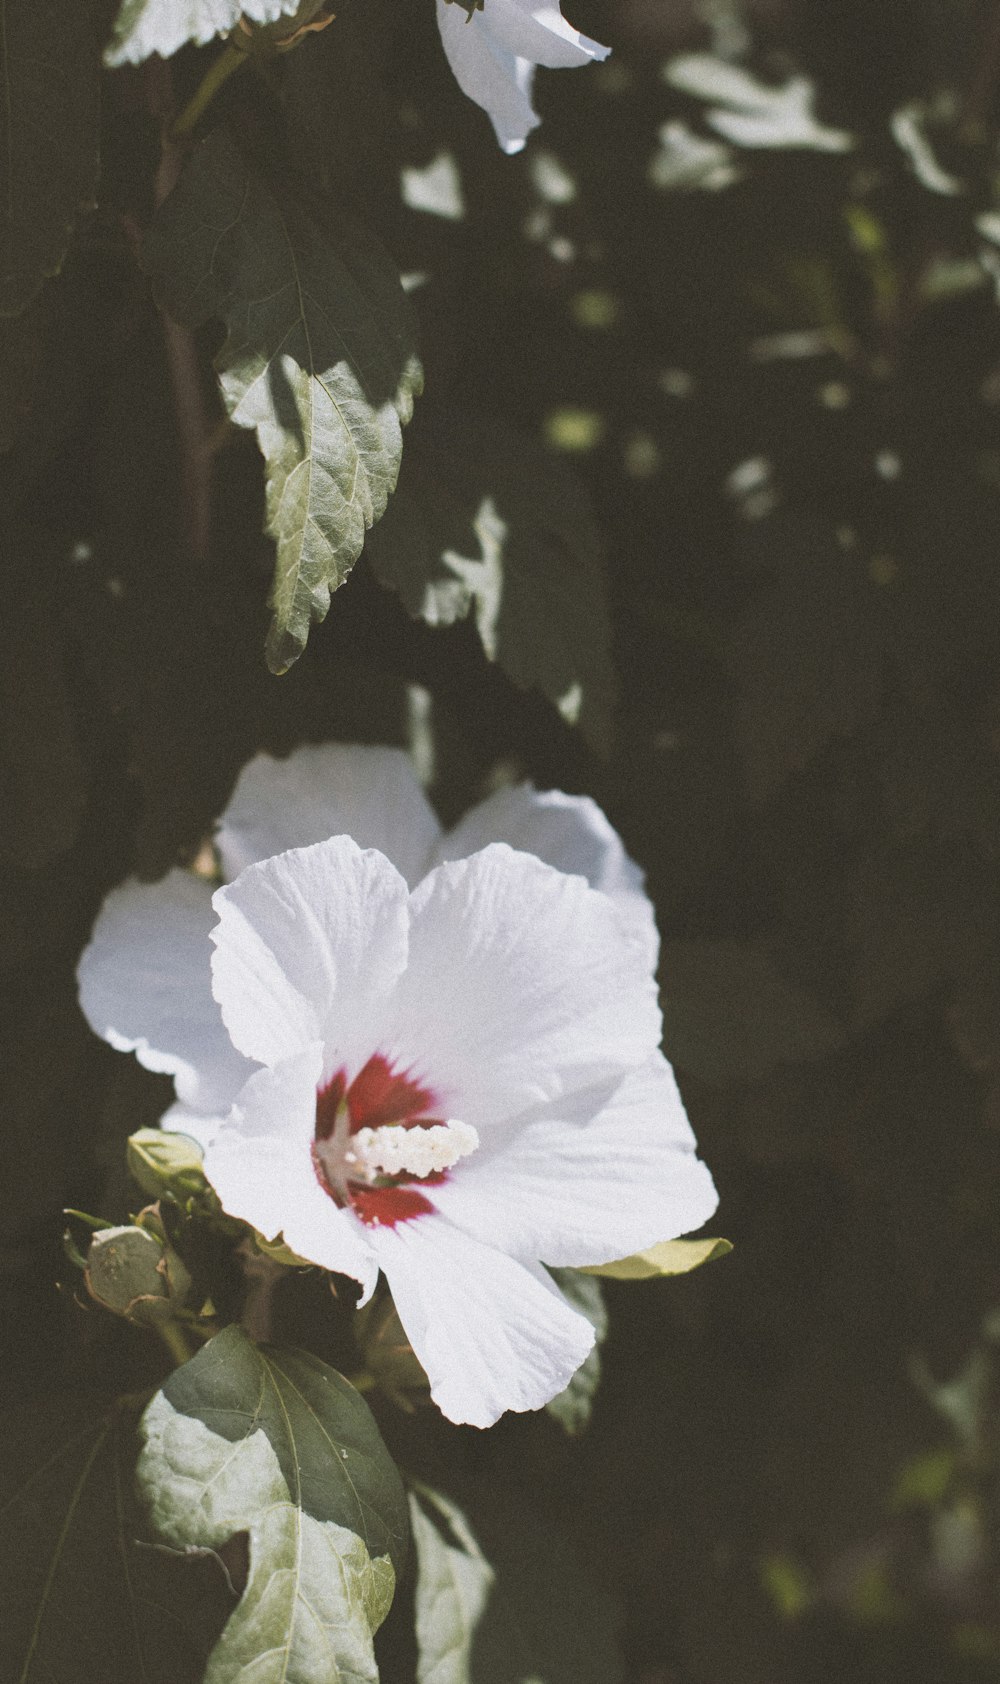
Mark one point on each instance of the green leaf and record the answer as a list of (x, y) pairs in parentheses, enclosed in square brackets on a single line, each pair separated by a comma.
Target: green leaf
[(319, 360), (274, 1444), (49, 78), (162, 26), (329, 1451), (670, 1257), (83, 1599), (730, 1016), (502, 1596), (454, 1583), (571, 1408), (486, 526)]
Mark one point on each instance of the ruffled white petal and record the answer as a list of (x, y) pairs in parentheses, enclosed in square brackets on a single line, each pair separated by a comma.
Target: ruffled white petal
[(307, 946), (494, 52), (331, 789), (260, 1165), (489, 73), (572, 1190), (537, 30), (569, 832), (145, 986), (490, 1333), (199, 1126), (521, 987)]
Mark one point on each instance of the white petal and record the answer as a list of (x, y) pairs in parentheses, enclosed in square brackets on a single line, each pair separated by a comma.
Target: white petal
[(199, 1126), (572, 1192), (145, 986), (491, 1334), (333, 789), (306, 948), (260, 1165), (569, 832), (521, 986), (487, 72), (536, 30)]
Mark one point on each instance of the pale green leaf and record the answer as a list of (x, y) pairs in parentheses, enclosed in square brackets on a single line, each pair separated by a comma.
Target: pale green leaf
[(670, 1257), (162, 26), (454, 1582), (486, 526), (571, 1408), (319, 361), (276, 1445), (49, 130)]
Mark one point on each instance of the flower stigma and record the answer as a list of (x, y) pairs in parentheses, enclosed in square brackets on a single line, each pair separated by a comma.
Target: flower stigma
[(374, 1139)]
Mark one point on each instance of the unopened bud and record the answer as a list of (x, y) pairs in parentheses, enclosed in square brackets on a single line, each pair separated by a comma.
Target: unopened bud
[(135, 1273), (165, 1163)]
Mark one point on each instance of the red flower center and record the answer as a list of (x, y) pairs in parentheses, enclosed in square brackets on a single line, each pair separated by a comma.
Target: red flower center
[(377, 1097)]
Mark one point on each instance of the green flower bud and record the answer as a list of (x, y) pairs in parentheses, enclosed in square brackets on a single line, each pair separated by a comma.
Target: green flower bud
[(135, 1273), (164, 1163)]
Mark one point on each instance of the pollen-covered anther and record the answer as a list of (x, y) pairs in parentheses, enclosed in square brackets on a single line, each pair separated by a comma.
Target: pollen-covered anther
[(424, 1150)]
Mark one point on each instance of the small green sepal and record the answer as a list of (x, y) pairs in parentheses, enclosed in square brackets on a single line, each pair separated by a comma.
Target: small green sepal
[(670, 1257)]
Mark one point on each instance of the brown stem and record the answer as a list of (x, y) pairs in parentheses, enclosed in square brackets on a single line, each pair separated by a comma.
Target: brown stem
[(262, 1275), (195, 424)]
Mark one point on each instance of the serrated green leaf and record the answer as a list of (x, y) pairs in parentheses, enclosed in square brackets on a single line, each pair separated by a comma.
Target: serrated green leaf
[(486, 526), (670, 1257), (329, 1451), (143, 27), (319, 361), (274, 1444), (454, 1582), (49, 128), (83, 1599), (571, 1408), (502, 1597)]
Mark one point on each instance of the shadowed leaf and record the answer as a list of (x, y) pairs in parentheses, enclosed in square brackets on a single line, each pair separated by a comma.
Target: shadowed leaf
[(48, 139), (318, 360)]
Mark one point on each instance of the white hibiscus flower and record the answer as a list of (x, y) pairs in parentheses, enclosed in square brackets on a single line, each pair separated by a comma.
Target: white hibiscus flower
[(494, 50), (434, 1055)]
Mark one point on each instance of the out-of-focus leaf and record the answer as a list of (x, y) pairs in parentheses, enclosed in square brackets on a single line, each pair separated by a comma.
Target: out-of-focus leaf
[(485, 525), (730, 1016), (454, 1583), (319, 360), (670, 1257), (83, 1599), (572, 1407), (48, 139), (275, 1444), (162, 26)]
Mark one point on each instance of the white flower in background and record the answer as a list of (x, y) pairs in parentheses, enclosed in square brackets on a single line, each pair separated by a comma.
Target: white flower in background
[(430, 1054), (493, 52)]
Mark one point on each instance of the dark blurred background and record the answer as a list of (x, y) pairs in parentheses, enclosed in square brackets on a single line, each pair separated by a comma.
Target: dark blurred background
[(774, 368)]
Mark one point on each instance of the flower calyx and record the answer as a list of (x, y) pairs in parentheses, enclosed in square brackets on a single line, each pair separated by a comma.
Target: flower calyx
[(286, 33), (134, 1271)]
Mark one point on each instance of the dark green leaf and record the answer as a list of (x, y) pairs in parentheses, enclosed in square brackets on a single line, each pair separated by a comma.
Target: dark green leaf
[(162, 26), (572, 1407), (329, 1450), (484, 525), (274, 1444), (48, 139), (83, 1600), (319, 361), (730, 1016)]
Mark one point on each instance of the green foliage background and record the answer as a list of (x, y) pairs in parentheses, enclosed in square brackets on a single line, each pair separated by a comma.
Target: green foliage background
[(803, 755)]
